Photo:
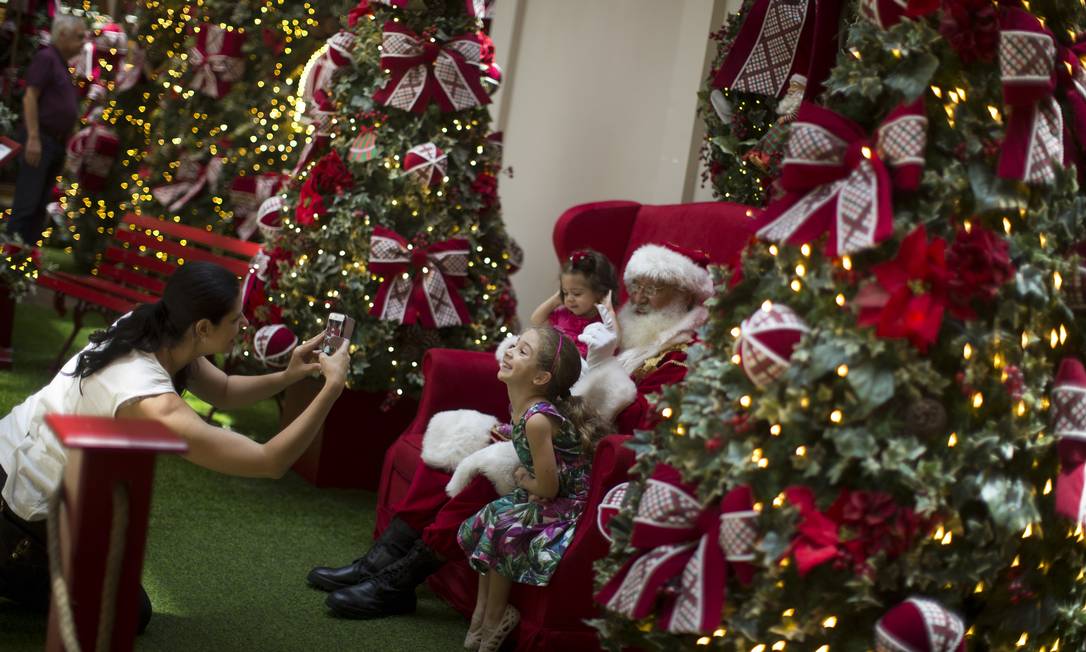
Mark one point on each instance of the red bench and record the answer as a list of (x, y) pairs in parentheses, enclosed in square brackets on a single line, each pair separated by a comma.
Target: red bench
[(143, 253)]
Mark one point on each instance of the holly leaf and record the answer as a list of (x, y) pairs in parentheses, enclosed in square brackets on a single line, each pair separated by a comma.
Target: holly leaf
[(1009, 502), (872, 385), (912, 80)]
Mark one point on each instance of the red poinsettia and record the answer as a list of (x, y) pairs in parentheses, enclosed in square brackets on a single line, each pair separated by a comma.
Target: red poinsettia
[(981, 264), (911, 294), (856, 527), (486, 186), (328, 176), (363, 9), (971, 27), (919, 8)]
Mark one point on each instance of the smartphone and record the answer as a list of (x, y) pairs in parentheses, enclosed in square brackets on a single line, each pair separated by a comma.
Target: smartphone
[(339, 327)]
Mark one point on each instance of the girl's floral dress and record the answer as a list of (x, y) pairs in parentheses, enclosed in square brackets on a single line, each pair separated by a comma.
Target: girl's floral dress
[(522, 540)]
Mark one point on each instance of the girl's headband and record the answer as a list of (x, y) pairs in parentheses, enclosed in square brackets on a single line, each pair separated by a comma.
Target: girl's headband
[(557, 354)]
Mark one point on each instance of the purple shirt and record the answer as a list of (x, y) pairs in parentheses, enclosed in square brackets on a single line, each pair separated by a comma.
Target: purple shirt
[(58, 101)]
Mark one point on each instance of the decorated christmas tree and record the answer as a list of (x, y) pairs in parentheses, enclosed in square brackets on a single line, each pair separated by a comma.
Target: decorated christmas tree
[(395, 219), (197, 120), (229, 116), (878, 444)]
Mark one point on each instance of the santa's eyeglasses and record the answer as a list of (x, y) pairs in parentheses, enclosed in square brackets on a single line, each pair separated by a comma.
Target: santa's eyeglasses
[(647, 290)]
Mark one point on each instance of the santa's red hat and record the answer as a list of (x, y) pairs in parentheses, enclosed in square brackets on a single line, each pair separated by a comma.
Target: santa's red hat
[(673, 265)]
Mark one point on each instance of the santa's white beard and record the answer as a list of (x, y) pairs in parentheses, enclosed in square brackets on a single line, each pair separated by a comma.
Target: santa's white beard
[(640, 331)]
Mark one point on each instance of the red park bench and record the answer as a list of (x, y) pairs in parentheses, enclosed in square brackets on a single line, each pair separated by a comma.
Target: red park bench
[(144, 252)]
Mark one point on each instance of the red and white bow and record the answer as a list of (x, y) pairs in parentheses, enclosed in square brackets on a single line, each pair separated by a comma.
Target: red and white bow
[(421, 284), (130, 70), (773, 44), (91, 152), (216, 59), (1069, 425), (838, 179), (317, 89), (681, 541), (423, 70), (1033, 145), (884, 13), (247, 193), (191, 177), (481, 9), (1071, 83)]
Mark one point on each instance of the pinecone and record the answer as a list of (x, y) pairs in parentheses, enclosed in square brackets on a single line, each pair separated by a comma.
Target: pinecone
[(417, 340), (926, 417)]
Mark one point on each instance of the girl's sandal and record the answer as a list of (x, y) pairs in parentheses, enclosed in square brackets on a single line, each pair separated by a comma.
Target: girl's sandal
[(493, 639), (475, 633)]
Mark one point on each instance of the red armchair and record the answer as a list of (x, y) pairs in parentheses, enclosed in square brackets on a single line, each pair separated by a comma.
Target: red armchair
[(554, 615)]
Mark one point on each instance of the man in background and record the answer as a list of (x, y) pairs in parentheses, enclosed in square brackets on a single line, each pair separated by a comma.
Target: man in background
[(50, 111)]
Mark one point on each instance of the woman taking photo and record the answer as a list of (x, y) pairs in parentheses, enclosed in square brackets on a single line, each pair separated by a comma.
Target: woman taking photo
[(138, 368)]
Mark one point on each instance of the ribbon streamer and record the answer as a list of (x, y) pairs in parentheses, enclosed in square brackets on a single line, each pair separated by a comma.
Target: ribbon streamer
[(216, 60), (191, 178), (422, 70), (839, 180), (1069, 425), (421, 284), (773, 44), (247, 194), (91, 152), (682, 541), (1033, 145)]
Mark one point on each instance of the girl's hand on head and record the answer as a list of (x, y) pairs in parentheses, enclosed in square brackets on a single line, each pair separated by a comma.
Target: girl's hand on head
[(334, 367), (303, 359)]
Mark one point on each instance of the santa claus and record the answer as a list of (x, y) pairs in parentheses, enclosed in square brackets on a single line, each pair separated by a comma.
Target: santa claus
[(461, 470)]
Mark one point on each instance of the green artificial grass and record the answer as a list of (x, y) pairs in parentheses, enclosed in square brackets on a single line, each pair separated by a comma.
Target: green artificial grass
[(227, 557)]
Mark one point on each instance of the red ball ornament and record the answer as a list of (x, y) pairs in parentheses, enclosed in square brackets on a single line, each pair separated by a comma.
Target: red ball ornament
[(767, 339), (427, 162), (919, 625), (274, 344), (609, 506)]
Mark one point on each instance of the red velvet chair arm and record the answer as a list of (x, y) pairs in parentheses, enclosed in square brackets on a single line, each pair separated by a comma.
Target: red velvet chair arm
[(604, 226), (460, 380)]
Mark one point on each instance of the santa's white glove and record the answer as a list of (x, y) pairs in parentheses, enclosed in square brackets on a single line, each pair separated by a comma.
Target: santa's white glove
[(601, 337)]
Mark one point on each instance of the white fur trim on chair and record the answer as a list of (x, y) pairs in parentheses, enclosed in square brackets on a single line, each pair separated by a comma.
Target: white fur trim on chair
[(497, 462), (453, 435), (607, 387)]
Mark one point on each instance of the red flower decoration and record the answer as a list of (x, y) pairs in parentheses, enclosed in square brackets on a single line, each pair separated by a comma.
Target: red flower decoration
[(918, 8), (982, 264), (911, 294), (272, 40), (856, 527), (310, 205), (356, 14), (486, 186), (971, 27)]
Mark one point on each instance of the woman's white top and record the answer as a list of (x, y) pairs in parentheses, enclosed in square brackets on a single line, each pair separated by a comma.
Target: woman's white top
[(29, 452)]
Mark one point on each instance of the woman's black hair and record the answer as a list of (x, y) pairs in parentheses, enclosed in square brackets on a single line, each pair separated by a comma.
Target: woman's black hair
[(596, 269), (565, 371), (196, 291)]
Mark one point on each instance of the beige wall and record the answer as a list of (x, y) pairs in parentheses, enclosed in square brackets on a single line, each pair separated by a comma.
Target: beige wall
[(599, 103)]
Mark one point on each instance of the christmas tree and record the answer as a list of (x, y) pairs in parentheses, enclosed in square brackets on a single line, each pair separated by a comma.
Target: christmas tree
[(878, 443), (395, 220), (201, 121)]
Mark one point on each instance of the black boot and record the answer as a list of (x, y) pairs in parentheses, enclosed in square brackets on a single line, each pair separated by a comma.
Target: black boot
[(389, 593), (394, 543)]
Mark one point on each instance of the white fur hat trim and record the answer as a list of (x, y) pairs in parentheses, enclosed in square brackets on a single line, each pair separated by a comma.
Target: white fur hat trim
[(667, 266)]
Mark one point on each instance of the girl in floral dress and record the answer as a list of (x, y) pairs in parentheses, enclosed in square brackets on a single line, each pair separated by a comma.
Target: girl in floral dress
[(521, 537), (588, 279)]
